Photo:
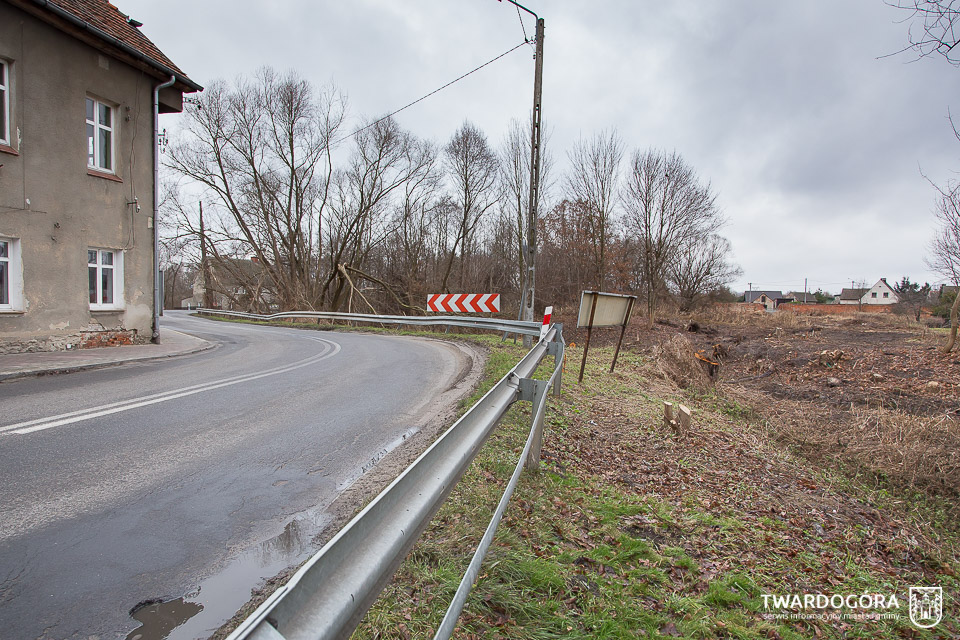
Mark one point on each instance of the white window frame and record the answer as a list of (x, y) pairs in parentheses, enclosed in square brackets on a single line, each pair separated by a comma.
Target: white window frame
[(5, 102), (97, 127), (14, 267), (98, 266)]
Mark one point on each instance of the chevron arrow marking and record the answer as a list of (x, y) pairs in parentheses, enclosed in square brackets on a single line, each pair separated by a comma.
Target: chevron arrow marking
[(463, 302)]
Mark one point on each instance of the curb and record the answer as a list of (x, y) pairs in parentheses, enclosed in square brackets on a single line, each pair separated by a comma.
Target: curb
[(59, 370)]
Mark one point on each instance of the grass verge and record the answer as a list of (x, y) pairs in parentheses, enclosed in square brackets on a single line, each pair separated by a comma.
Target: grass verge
[(629, 530)]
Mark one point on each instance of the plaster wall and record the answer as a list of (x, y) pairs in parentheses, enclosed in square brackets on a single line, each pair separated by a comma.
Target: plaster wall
[(52, 206)]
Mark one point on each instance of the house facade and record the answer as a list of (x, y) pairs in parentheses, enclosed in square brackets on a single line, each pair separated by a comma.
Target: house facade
[(769, 299), (852, 295), (879, 294), (78, 82), (234, 284)]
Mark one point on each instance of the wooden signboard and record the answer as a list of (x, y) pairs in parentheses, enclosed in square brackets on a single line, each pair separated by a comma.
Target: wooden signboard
[(599, 309)]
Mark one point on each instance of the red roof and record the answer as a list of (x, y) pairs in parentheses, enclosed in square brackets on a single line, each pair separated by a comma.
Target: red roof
[(105, 16), (101, 16)]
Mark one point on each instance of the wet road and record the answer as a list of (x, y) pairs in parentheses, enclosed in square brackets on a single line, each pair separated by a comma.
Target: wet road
[(193, 476)]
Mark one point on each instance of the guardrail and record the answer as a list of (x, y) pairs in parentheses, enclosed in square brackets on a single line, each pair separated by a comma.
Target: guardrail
[(492, 324), (330, 594)]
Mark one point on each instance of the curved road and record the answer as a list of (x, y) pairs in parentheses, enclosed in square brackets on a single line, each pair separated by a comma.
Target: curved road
[(195, 476)]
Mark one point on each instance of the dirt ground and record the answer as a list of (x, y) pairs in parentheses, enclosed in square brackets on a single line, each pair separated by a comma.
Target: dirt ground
[(869, 389)]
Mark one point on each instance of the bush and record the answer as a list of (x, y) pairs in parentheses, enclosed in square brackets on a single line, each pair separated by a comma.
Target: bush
[(942, 310)]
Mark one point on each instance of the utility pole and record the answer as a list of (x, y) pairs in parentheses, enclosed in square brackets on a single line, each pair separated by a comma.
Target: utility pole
[(530, 251), (534, 203), (205, 265)]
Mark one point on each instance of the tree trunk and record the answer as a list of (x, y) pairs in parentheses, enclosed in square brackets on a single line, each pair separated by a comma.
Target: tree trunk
[(953, 325)]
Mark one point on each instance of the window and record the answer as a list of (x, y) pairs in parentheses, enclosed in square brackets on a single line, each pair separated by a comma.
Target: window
[(105, 278), (11, 280), (99, 135), (886, 294), (873, 295), (4, 103)]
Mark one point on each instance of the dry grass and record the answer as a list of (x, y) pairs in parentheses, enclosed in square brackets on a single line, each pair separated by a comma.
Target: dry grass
[(905, 450), (677, 360)]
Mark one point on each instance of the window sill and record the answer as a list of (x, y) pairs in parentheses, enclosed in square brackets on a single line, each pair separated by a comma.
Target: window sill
[(102, 174), (12, 312), (107, 310), (8, 149)]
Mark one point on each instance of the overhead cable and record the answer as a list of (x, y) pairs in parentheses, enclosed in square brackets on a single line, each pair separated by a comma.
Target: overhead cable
[(393, 113)]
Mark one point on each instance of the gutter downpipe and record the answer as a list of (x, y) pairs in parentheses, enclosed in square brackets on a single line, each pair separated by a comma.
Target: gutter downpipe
[(155, 339)]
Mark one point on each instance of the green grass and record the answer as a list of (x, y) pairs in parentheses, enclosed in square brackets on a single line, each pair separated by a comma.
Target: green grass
[(579, 557)]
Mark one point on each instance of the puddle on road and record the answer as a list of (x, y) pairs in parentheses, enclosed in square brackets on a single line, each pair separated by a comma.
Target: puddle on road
[(158, 619), (199, 614)]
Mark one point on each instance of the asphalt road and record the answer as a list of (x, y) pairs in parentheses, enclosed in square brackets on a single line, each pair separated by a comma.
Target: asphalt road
[(196, 476)]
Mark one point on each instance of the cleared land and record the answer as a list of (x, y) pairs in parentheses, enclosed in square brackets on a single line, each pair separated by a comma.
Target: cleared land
[(804, 473)]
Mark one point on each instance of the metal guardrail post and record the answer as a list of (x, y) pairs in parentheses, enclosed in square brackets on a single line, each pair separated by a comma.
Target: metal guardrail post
[(534, 392), (556, 349), (536, 389)]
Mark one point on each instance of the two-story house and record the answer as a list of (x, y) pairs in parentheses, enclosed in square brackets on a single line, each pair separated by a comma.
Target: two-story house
[(80, 90)]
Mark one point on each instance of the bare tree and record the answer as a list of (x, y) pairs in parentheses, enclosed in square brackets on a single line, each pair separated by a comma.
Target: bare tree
[(670, 212), (701, 267), (939, 27), (409, 257), (386, 160), (472, 167), (515, 177), (944, 255), (594, 183), (261, 147)]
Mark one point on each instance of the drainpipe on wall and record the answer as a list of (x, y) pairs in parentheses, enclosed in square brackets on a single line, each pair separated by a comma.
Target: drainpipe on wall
[(156, 204)]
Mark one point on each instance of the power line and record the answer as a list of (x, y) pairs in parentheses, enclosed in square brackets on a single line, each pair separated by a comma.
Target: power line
[(393, 113), (522, 27)]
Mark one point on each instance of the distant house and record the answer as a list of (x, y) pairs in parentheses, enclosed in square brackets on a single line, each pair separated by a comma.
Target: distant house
[(852, 295), (802, 297), (769, 299), (235, 285), (78, 83), (879, 294), (947, 289)]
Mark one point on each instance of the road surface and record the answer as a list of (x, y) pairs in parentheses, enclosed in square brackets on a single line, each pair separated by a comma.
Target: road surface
[(193, 477)]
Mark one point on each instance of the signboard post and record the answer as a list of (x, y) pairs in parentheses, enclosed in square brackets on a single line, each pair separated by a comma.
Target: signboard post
[(598, 309)]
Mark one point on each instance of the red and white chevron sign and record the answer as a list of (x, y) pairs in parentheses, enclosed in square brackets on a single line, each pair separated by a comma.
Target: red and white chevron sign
[(464, 302)]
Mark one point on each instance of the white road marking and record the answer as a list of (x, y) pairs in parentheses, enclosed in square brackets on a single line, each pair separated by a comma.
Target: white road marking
[(41, 424)]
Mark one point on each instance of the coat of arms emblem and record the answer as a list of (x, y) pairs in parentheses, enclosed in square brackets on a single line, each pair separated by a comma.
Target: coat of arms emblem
[(926, 606)]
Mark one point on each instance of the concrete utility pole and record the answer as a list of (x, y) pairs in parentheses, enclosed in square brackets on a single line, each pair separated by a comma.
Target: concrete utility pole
[(530, 250), (534, 202), (205, 265)]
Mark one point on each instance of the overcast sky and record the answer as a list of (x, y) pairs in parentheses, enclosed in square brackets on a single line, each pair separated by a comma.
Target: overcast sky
[(813, 140)]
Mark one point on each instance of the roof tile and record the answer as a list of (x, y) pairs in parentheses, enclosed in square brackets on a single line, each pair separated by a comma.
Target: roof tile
[(109, 19)]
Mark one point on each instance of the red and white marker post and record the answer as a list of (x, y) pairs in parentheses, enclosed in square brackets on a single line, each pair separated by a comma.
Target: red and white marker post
[(546, 322)]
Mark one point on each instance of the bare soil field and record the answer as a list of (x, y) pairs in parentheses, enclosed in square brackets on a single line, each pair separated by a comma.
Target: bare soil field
[(871, 390)]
